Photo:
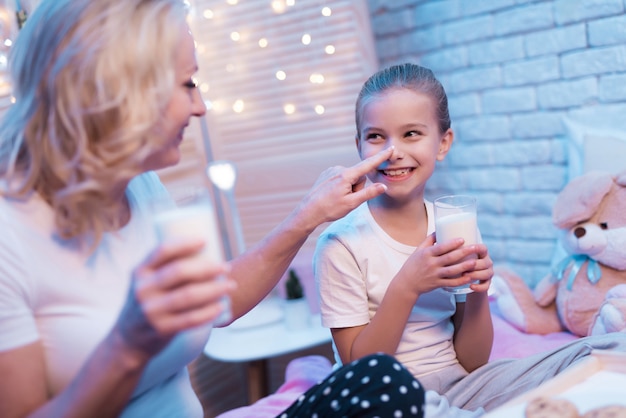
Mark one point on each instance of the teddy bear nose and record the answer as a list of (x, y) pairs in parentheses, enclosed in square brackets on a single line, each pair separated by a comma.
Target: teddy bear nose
[(580, 232)]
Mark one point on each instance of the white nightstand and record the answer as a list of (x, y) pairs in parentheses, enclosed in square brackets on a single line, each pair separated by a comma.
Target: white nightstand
[(258, 336)]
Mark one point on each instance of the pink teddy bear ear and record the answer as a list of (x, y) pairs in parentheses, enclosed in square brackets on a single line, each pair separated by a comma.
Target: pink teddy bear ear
[(580, 198)]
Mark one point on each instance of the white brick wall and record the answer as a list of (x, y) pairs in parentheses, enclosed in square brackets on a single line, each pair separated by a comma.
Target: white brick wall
[(512, 69)]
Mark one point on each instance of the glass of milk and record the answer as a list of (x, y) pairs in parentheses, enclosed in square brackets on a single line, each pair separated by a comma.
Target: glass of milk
[(455, 216), (191, 215)]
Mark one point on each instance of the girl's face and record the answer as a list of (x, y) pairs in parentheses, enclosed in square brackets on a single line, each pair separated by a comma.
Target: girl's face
[(407, 120), (185, 103)]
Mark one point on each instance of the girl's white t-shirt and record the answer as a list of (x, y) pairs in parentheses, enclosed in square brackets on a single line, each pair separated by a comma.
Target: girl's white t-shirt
[(354, 262)]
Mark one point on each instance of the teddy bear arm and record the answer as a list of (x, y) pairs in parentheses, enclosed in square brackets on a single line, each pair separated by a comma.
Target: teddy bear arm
[(545, 291)]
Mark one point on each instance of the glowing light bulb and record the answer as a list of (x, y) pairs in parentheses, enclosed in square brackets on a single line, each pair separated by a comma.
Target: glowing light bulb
[(238, 106), (204, 87), (289, 108), (290, 2), (319, 109), (223, 174), (208, 14), (329, 49), (263, 42), (235, 36), (232, 2), (281, 75), (279, 6), (326, 11), (316, 78), (217, 106), (306, 39)]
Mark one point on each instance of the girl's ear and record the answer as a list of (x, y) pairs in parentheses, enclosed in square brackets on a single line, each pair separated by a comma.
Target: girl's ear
[(445, 144)]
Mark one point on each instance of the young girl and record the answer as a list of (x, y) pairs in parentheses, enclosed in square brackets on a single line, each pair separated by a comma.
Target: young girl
[(381, 276)]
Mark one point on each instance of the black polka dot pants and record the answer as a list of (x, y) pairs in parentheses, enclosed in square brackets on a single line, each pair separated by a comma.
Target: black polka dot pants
[(374, 386)]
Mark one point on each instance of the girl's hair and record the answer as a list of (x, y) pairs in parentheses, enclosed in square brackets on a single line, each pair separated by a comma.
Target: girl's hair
[(405, 76), (91, 80)]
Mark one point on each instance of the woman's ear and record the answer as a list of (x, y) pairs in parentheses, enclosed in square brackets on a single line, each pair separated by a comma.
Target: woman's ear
[(445, 144), (358, 144)]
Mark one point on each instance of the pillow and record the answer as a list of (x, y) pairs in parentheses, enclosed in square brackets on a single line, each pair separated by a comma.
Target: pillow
[(594, 148)]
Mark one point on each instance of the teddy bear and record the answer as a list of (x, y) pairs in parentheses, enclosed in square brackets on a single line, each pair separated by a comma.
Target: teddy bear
[(585, 293)]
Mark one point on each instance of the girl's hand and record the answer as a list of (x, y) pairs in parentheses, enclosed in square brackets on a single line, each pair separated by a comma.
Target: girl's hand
[(433, 266), (173, 290), (483, 271)]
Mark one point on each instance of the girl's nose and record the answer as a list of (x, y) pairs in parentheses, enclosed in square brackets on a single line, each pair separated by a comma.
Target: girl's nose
[(396, 154)]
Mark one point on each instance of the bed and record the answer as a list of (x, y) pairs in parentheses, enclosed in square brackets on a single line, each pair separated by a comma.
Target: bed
[(588, 147), (304, 372)]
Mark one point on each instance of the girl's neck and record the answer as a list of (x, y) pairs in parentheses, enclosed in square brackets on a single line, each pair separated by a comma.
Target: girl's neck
[(406, 222)]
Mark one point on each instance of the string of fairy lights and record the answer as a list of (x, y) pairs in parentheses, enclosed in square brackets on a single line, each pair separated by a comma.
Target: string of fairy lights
[(12, 19), (207, 12)]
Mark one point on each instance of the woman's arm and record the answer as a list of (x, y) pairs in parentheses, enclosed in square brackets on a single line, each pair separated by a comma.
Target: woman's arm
[(337, 191), (102, 388), (169, 293)]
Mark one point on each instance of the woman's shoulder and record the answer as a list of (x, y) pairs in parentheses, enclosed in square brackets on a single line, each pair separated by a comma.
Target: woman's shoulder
[(145, 189), (147, 185)]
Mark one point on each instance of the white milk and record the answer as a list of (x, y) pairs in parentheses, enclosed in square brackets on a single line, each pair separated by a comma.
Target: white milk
[(191, 222), (458, 225), (195, 221)]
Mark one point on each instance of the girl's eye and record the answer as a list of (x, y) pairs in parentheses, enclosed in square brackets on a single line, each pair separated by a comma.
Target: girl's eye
[(373, 137), (604, 225)]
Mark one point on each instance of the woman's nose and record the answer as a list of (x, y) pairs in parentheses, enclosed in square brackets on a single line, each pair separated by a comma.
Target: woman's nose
[(198, 106)]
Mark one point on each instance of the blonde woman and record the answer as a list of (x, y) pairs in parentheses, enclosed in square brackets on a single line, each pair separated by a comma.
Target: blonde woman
[(96, 319)]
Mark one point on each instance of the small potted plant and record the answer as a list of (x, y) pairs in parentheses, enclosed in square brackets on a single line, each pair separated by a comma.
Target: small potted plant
[(297, 313), (293, 286)]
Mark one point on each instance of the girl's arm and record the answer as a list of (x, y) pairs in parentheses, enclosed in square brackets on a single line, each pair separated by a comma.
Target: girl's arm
[(384, 331), (473, 336)]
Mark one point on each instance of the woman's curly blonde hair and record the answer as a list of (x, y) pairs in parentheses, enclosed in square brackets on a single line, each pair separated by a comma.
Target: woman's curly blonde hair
[(91, 79)]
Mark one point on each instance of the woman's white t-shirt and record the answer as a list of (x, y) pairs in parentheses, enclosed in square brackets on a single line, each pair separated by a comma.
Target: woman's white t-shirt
[(68, 299)]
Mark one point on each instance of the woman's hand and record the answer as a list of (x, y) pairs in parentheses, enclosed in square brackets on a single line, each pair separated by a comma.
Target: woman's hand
[(338, 190), (173, 290)]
